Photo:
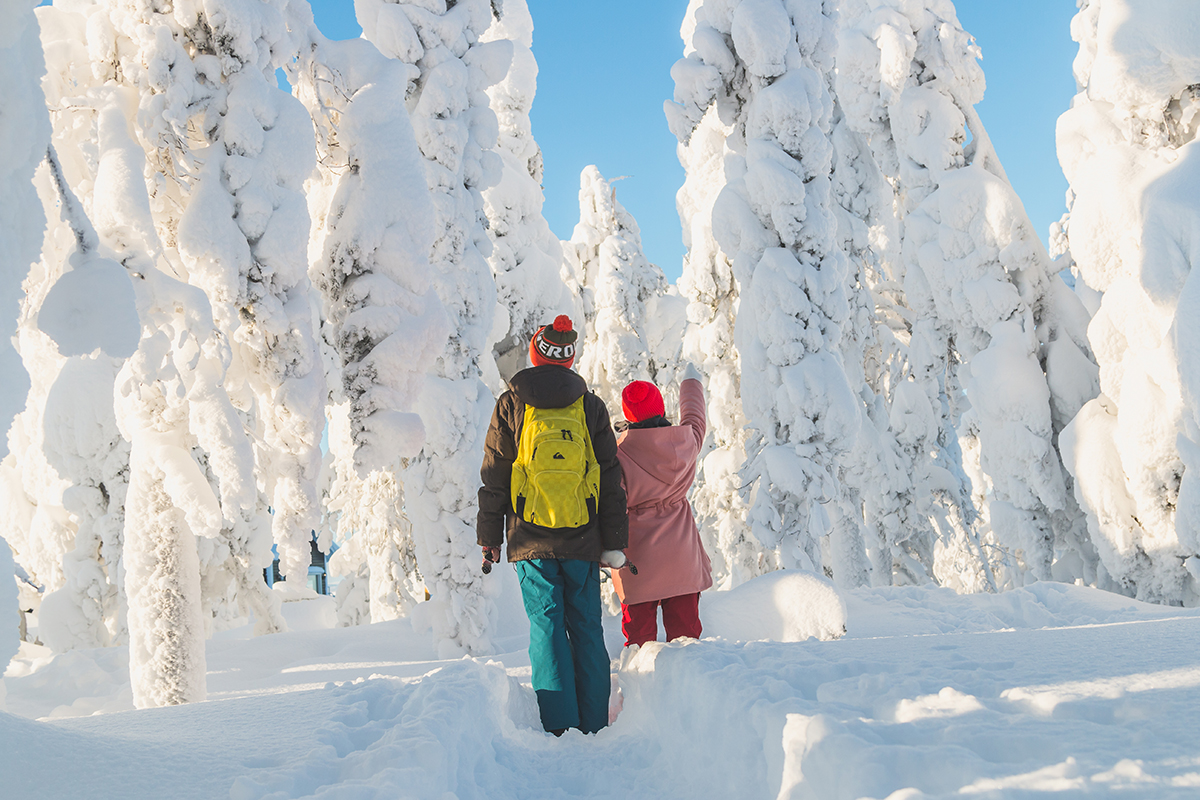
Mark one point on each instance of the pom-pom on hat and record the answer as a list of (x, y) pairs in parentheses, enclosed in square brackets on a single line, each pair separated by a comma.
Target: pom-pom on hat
[(641, 400), (554, 344)]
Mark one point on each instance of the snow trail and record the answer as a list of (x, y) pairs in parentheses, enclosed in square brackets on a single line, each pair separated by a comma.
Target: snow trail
[(931, 694)]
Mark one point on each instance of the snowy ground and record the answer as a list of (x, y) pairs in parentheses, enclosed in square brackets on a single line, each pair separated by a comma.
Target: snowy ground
[(1048, 691)]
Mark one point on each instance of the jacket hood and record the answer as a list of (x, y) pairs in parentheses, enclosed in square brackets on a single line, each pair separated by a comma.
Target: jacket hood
[(549, 386), (665, 454)]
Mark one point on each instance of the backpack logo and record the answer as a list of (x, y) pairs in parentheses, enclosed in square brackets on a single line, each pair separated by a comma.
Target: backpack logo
[(555, 477)]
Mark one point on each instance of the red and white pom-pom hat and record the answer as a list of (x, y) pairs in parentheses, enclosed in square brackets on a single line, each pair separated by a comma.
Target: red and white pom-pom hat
[(554, 344)]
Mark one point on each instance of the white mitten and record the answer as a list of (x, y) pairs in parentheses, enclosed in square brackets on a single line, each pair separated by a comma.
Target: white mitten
[(690, 373), (613, 559)]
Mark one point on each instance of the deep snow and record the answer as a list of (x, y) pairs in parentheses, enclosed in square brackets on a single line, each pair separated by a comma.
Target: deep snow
[(1048, 690)]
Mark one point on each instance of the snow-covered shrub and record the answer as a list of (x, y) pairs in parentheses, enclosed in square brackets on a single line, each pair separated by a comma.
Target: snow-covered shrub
[(1128, 148)]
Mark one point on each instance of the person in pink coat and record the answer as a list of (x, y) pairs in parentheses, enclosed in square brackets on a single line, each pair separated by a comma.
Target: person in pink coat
[(659, 462)]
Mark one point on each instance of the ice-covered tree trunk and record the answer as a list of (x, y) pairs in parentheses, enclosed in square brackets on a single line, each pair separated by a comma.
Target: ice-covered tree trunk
[(624, 295), (1128, 147), (995, 339), (381, 319), (532, 283), (763, 64), (456, 132)]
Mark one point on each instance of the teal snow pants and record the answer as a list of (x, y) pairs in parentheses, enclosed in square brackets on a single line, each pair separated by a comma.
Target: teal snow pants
[(566, 642)]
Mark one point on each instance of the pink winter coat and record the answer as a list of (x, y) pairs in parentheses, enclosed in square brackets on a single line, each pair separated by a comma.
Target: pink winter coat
[(664, 543)]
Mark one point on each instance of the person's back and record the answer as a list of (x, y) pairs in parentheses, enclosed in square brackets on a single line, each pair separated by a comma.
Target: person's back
[(659, 464), (548, 387), (557, 560)]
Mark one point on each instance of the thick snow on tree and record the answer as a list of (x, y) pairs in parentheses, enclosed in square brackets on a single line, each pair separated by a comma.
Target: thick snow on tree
[(1128, 148), (229, 152), (456, 131), (711, 292), (533, 286), (24, 134), (381, 320), (996, 340), (627, 311), (762, 64), (94, 115)]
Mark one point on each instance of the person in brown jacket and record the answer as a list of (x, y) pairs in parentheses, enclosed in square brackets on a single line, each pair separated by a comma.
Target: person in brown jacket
[(558, 567)]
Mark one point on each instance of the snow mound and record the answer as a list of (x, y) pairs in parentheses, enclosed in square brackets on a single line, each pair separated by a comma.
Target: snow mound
[(785, 606), (434, 736)]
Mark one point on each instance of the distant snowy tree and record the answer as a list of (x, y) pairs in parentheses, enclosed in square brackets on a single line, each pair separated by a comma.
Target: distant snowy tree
[(624, 295), (1128, 148), (381, 320), (456, 131), (763, 64), (996, 341), (532, 283)]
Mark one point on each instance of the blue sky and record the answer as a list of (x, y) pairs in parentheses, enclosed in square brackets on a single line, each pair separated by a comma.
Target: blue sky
[(605, 72)]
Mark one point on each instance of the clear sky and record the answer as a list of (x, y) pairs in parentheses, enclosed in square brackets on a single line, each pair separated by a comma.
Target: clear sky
[(604, 72)]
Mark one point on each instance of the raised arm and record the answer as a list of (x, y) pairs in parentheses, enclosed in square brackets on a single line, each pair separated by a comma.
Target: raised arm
[(691, 404)]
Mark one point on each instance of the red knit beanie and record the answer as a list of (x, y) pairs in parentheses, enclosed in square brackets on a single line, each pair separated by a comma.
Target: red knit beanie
[(554, 344), (641, 400)]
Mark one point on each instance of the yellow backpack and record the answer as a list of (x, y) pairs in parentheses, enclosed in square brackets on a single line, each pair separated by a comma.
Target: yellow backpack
[(556, 478)]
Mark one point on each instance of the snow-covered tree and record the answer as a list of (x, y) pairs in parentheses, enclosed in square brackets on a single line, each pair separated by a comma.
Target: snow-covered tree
[(532, 283), (456, 131), (627, 310), (1128, 149), (24, 134), (381, 320), (763, 64), (228, 154), (712, 294), (995, 339)]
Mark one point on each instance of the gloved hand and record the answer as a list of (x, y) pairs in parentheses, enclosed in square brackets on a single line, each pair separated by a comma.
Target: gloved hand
[(491, 555), (613, 559), (690, 373)]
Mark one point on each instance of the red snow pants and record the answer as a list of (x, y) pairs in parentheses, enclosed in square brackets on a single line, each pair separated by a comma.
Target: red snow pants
[(681, 617)]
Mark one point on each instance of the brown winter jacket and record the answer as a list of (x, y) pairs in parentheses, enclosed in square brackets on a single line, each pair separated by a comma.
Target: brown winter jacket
[(549, 386)]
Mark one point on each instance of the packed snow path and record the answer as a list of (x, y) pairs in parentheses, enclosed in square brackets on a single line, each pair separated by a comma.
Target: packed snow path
[(1051, 690)]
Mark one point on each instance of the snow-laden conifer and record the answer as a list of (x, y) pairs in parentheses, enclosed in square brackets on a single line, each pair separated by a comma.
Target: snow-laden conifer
[(1128, 149), (228, 153), (65, 479), (625, 301), (24, 134), (532, 284), (381, 320), (762, 64), (995, 337), (711, 292), (456, 131)]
